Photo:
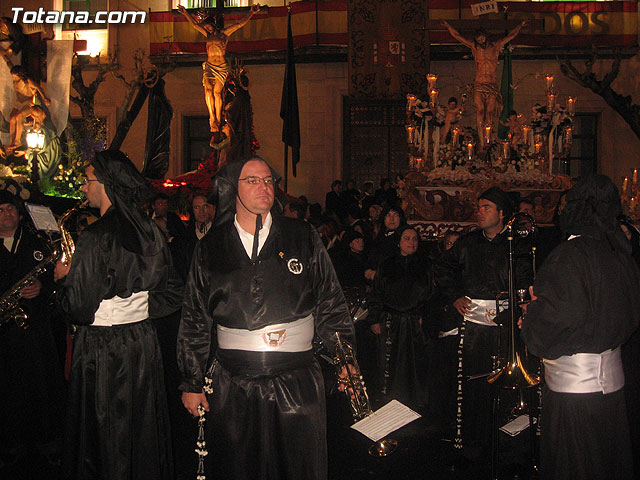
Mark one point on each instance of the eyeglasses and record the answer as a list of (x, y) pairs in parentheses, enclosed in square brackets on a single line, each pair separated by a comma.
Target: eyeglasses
[(253, 180), (86, 180)]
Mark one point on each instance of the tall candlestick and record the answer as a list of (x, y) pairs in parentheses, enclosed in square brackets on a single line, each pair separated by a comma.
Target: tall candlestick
[(506, 151), (487, 133), (470, 150), (455, 135), (411, 101), (431, 81), (410, 130), (433, 97), (571, 106), (549, 81), (568, 136), (525, 134)]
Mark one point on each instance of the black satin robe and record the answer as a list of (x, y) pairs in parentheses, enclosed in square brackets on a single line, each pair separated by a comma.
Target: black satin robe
[(588, 302), (268, 409), (117, 425), (402, 287)]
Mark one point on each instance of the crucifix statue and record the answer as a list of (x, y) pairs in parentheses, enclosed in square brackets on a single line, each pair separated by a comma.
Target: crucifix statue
[(486, 94), (215, 69)]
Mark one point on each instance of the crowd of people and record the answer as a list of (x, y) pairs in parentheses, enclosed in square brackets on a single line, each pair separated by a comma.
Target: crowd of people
[(221, 318)]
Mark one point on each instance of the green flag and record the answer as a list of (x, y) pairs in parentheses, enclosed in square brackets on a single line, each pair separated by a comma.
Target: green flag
[(506, 90)]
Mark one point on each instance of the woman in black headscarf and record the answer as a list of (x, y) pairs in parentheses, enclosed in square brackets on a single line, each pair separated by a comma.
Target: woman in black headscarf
[(401, 289), (120, 277)]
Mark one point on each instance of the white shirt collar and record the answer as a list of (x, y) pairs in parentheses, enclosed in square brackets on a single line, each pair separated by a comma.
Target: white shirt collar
[(247, 238)]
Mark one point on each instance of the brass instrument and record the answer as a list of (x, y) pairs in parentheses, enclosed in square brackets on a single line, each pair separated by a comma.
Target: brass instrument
[(67, 246), (513, 374), (10, 300), (350, 376)]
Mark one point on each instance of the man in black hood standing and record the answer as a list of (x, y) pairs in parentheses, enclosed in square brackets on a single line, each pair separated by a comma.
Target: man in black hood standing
[(261, 287), (586, 303), (120, 277)]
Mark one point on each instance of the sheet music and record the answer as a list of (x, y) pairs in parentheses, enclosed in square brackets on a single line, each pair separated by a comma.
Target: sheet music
[(42, 217), (385, 420), (514, 427)]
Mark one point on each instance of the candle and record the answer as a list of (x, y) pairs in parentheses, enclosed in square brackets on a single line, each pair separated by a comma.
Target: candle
[(549, 81), (525, 134), (431, 81), (568, 136), (411, 101), (634, 182), (571, 106), (632, 204), (433, 97), (470, 150), (625, 182), (506, 151), (551, 101), (410, 130), (538, 146), (487, 133), (455, 134)]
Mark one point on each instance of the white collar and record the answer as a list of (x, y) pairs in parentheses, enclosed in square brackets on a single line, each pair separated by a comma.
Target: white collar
[(247, 239)]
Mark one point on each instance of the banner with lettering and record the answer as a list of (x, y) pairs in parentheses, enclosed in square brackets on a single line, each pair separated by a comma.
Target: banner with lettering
[(566, 24)]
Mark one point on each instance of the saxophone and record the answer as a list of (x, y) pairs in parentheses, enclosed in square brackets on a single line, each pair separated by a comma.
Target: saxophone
[(10, 309)]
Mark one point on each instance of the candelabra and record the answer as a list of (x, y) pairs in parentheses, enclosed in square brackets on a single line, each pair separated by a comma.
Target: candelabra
[(630, 196)]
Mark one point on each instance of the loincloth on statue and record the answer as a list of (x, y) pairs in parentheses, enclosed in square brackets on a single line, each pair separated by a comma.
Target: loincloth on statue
[(214, 71), (488, 90)]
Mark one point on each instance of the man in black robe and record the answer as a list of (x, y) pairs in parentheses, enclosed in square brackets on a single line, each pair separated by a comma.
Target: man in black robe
[(121, 276), (472, 274), (31, 380), (586, 303), (261, 287)]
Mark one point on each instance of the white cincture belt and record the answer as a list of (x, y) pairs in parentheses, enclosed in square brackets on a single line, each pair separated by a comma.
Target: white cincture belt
[(282, 337), (120, 311), (482, 312), (585, 372)]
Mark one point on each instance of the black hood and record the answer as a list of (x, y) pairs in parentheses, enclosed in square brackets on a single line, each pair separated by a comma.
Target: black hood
[(126, 188), (225, 188), (592, 207)]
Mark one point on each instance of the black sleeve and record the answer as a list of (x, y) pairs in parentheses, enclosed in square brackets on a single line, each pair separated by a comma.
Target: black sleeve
[(560, 309), (195, 336), (332, 312), (84, 287), (447, 273)]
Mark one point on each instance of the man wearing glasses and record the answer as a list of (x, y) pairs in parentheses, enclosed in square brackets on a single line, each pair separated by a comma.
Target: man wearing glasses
[(120, 277), (261, 287)]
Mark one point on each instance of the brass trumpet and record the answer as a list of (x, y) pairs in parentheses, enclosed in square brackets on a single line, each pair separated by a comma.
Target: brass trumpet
[(350, 376)]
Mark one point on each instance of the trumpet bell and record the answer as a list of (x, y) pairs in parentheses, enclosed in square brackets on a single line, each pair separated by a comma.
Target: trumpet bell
[(383, 448), (514, 375)]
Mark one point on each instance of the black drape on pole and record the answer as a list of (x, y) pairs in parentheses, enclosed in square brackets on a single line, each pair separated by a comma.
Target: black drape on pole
[(289, 106), (156, 152)]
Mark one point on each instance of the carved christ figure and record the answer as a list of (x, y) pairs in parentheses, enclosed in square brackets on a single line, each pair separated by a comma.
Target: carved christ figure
[(215, 69), (486, 95)]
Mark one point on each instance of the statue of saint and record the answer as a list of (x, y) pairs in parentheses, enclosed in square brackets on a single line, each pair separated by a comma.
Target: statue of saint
[(486, 94), (215, 69), (31, 96)]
